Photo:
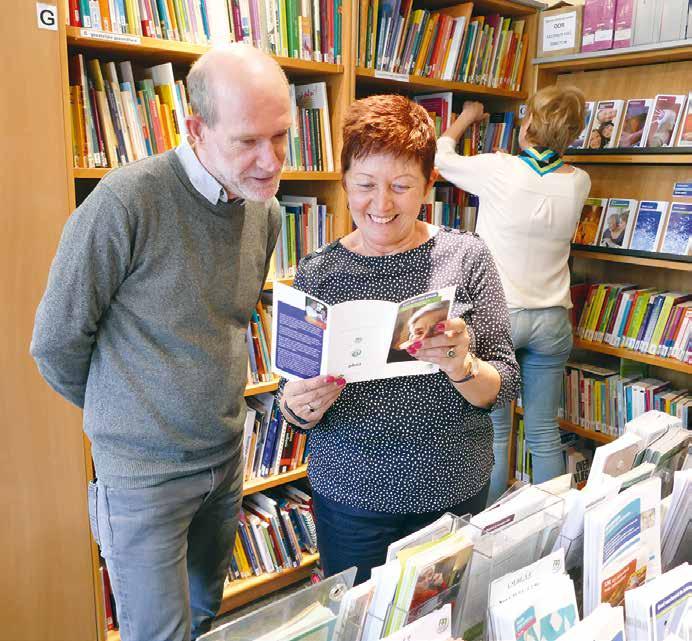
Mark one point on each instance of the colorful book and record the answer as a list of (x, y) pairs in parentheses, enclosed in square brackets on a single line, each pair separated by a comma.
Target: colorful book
[(648, 228), (618, 222), (677, 238), (685, 137), (635, 123), (598, 25), (589, 227), (589, 109), (665, 121), (606, 124)]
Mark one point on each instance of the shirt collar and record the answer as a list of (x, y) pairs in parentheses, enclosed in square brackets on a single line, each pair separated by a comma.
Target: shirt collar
[(200, 178)]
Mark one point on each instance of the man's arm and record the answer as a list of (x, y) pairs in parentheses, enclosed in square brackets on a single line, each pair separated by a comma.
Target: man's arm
[(274, 229), (91, 262)]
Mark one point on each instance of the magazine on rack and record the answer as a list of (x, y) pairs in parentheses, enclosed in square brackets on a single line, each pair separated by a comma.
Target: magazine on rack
[(361, 340)]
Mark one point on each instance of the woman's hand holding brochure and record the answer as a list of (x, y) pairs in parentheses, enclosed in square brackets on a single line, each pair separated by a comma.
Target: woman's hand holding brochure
[(447, 347), (305, 402)]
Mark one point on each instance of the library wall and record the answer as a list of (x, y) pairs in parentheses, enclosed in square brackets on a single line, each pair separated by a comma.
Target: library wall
[(46, 568)]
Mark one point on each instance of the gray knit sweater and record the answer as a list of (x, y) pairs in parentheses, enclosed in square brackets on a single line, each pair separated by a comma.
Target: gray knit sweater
[(144, 318)]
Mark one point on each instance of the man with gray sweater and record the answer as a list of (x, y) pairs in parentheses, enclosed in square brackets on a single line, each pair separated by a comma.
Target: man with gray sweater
[(143, 326)]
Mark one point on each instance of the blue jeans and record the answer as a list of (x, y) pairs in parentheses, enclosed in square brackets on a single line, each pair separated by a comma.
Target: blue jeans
[(167, 549), (351, 537), (543, 342)]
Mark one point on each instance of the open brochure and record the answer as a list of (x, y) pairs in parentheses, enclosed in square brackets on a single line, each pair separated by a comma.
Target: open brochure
[(360, 340)]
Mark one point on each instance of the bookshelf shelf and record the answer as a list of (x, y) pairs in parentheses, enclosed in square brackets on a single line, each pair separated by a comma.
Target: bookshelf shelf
[(613, 257), (258, 388), (372, 78), (173, 51), (567, 426), (602, 348), (99, 172), (612, 157), (242, 591), (674, 51), (259, 485), (269, 285)]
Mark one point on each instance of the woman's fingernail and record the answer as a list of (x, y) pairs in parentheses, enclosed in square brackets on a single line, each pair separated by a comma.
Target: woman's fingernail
[(411, 351), (330, 379), (417, 345), (440, 327), (340, 382)]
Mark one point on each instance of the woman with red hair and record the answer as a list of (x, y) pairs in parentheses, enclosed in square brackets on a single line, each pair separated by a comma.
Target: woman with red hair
[(390, 456)]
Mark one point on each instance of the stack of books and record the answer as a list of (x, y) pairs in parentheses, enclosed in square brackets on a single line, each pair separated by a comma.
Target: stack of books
[(274, 531), (288, 28), (310, 136), (450, 206), (270, 445), (259, 346), (645, 320), (448, 44)]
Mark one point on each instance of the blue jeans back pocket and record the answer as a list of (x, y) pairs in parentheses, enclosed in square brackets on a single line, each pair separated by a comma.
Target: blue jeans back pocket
[(92, 498)]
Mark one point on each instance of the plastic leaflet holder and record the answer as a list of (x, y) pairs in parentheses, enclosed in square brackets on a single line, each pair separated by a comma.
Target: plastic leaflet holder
[(522, 527), (427, 576), (309, 615)]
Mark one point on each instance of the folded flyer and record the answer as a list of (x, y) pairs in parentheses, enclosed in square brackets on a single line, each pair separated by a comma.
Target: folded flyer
[(361, 340)]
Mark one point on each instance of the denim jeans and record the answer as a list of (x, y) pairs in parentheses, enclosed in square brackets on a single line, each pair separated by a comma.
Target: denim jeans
[(349, 536), (543, 341), (167, 549)]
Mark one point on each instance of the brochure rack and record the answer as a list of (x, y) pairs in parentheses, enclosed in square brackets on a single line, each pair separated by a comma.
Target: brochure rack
[(500, 549), (323, 598)]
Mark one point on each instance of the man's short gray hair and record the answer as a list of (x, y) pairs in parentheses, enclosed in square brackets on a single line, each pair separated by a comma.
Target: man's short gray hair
[(200, 93)]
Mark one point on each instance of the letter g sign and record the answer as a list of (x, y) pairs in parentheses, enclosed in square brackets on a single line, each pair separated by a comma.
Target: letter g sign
[(47, 16)]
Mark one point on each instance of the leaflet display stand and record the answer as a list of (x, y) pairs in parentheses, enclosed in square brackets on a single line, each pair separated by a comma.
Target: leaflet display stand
[(499, 550), (309, 614)]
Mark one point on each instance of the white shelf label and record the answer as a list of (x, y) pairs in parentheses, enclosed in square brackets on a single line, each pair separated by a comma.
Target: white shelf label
[(388, 75), (560, 32), (110, 37)]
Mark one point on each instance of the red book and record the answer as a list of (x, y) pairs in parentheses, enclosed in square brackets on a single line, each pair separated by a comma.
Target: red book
[(75, 18)]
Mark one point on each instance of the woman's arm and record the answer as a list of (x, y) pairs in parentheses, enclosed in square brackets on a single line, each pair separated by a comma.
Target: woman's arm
[(472, 112)]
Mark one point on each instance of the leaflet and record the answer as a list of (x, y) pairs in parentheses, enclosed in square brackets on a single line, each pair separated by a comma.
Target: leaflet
[(360, 340)]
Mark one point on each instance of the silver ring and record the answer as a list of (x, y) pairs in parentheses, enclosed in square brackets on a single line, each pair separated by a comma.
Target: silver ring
[(451, 353), (310, 407)]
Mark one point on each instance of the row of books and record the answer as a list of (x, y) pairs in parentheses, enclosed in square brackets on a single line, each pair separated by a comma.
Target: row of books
[(288, 28), (614, 24), (275, 530), (645, 320), (448, 43), (602, 400), (306, 226), (117, 119), (624, 223), (450, 206), (270, 445), (662, 121), (259, 346)]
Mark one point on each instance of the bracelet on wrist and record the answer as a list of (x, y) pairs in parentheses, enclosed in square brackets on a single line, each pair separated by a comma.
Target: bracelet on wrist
[(471, 370), (300, 421)]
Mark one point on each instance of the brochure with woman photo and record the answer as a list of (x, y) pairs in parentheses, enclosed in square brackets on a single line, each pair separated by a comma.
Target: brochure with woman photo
[(361, 340)]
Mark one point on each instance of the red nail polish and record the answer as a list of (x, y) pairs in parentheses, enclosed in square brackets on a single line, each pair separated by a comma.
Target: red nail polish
[(340, 382), (330, 379), (440, 327), (417, 345)]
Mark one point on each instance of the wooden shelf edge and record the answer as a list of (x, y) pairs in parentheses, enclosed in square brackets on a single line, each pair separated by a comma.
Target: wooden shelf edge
[(435, 84), (259, 485), (243, 591), (660, 263), (568, 426), (630, 159), (178, 51), (99, 172), (657, 361), (258, 388), (269, 285)]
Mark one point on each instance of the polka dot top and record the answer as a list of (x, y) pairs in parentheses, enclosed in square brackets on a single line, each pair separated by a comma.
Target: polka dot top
[(411, 443)]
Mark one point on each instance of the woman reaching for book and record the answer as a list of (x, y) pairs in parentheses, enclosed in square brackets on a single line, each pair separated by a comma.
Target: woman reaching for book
[(529, 209), (389, 456)]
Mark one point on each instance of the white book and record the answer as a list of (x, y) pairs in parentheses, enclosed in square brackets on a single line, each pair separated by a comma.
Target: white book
[(614, 458), (219, 24), (622, 544), (676, 536), (618, 223), (605, 623), (434, 531), (667, 114), (386, 578), (645, 28), (353, 611), (673, 20), (649, 225), (163, 75), (677, 237), (435, 626), (459, 29)]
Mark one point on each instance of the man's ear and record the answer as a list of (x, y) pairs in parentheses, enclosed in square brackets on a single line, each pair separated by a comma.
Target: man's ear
[(195, 128)]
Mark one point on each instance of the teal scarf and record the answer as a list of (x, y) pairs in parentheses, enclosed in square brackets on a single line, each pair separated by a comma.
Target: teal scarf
[(541, 159)]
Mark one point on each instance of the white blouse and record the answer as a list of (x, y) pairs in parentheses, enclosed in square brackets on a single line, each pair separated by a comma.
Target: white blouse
[(526, 220)]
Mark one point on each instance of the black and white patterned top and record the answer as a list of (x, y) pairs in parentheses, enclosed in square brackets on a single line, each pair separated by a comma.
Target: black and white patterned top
[(411, 443)]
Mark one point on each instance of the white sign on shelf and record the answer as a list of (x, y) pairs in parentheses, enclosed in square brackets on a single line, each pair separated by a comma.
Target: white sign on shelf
[(110, 37), (388, 75), (560, 32), (47, 16)]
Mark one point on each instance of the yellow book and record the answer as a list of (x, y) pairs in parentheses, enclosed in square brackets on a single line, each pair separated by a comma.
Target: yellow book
[(283, 28), (174, 20), (165, 94), (480, 21), (425, 44), (166, 124), (596, 310)]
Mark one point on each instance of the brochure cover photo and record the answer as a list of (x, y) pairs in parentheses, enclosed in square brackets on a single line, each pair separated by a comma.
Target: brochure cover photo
[(360, 340)]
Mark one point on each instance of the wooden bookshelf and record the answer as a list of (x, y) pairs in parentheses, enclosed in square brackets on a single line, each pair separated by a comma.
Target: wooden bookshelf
[(259, 485), (568, 426), (605, 158), (417, 84), (648, 260), (99, 172), (260, 388), (657, 361), (269, 285), (153, 49)]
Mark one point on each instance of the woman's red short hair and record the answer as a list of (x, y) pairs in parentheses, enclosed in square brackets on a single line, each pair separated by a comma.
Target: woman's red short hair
[(388, 124)]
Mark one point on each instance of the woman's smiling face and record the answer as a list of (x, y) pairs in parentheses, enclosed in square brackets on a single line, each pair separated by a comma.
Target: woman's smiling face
[(385, 194)]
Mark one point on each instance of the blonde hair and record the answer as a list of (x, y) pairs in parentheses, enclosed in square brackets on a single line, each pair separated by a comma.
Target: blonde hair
[(557, 117)]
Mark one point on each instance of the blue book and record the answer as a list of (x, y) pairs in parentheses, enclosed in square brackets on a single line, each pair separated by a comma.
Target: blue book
[(649, 225), (678, 234)]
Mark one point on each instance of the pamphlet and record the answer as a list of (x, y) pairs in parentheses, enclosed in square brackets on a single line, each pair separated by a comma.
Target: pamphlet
[(360, 340)]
